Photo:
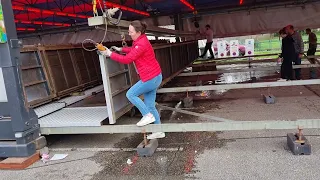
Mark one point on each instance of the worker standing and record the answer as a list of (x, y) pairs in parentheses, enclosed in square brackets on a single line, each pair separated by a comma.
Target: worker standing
[(142, 55), (209, 36), (312, 51), (299, 48), (287, 54)]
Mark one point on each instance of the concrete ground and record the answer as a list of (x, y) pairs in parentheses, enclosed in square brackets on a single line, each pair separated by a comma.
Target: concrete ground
[(229, 155), (226, 155)]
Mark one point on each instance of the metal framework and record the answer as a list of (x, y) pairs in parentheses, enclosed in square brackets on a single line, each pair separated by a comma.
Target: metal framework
[(270, 68), (239, 86), (188, 127)]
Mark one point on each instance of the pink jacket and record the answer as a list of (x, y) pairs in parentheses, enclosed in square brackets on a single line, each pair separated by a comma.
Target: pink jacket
[(142, 54)]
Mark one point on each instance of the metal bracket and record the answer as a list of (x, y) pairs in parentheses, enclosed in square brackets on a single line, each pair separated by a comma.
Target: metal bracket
[(27, 136), (15, 43)]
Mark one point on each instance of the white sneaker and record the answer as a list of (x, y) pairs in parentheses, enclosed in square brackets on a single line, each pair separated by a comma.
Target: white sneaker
[(156, 135), (147, 119)]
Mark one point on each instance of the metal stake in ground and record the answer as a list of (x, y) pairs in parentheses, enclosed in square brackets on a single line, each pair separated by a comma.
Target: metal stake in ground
[(299, 138), (145, 137)]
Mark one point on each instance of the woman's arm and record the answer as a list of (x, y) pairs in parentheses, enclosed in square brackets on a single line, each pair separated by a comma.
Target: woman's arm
[(126, 49), (134, 53)]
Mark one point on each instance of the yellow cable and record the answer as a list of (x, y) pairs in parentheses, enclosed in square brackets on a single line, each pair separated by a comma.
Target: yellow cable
[(94, 6)]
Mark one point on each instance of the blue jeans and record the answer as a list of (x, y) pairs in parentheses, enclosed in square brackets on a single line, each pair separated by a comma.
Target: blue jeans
[(148, 90)]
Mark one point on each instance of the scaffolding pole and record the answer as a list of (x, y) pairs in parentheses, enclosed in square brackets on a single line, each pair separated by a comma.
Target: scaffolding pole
[(270, 68), (239, 86)]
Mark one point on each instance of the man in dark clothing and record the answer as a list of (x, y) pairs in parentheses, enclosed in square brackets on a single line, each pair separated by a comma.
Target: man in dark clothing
[(299, 48), (288, 54), (209, 36), (311, 51)]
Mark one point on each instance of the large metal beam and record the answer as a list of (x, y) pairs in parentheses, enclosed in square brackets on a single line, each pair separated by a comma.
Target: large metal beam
[(187, 127), (271, 68), (23, 124), (155, 29), (238, 86), (111, 28)]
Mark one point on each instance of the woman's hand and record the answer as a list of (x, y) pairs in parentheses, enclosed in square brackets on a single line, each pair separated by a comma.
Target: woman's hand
[(106, 52), (116, 48)]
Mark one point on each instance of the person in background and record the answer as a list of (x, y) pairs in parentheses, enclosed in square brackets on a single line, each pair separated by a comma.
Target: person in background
[(209, 36), (299, 48), (312, 51), (287, 55), (142, 55)]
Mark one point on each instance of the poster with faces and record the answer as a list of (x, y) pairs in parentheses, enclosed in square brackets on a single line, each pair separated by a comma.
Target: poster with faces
[(234, 48), (222, 49), (249, 47)]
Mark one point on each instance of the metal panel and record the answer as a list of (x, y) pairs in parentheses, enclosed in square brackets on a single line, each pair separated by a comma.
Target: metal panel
[(68, 68), (6, 132), (56, 71), (57, 75), (107, 88), (188, 127), (49, 108), (36, 92), (4, 109), (69, 117), (55, 106), (73, 99), (3, 93)]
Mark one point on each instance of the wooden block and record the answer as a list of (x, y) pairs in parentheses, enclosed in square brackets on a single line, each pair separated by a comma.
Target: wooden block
[(19, 163)]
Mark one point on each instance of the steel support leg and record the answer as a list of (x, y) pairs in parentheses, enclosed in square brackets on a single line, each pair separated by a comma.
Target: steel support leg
[(20, 123)]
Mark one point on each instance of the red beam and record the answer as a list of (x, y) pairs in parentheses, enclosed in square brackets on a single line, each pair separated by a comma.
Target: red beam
[(26, 29), (241, 2), (48, 12), (187, 4), (86, 7), (125, 8), (42, 23)]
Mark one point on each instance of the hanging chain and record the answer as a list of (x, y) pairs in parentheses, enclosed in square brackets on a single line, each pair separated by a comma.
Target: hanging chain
[(123, 38)]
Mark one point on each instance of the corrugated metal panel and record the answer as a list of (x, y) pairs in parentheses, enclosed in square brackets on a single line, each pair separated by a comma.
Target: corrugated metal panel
[(55, 106), (70, 117), (48, 108)]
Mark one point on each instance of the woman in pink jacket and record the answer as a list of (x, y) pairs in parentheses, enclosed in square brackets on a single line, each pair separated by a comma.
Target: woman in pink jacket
[(142, 55)]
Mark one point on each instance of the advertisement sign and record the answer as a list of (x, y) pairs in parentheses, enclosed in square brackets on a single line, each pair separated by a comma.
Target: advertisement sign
[(222, 49), (3, 34), (3, 94), (234, 48), (249, 47)]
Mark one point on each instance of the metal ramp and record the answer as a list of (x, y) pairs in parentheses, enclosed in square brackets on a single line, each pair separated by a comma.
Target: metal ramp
[(57, 114), (62, 103), (75, 117)]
